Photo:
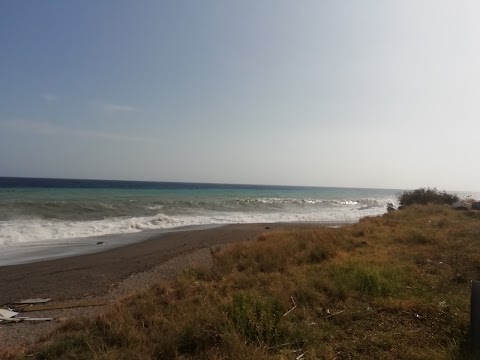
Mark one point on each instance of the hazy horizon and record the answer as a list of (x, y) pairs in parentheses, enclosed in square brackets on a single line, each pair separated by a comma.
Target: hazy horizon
[(195, 182), (223, 183)]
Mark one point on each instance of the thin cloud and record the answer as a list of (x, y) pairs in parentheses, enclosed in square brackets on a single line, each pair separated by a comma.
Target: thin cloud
[(49, 97), (112, 108), (46, 128)]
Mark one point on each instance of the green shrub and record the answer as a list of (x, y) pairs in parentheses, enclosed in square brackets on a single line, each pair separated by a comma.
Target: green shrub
[(367, 279), (257, 319), (426, 196)]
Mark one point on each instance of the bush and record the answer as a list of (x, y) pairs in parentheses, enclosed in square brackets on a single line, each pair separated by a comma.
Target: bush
[(390, 207), (425, 196)]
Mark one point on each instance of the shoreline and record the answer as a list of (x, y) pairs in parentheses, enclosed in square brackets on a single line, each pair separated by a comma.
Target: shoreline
[(94, 273), (27, 253)]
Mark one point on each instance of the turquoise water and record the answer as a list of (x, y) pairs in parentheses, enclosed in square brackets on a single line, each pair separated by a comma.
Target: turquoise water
[(57, 211)]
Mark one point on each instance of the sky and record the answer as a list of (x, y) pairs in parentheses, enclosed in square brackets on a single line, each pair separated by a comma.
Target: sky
[(379, 94)]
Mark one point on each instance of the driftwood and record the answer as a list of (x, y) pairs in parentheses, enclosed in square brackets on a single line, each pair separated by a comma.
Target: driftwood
[(66, 305), (23, 318), (9, 319)]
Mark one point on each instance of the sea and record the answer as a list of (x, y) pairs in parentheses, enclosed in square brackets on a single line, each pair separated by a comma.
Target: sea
[(49, 218)]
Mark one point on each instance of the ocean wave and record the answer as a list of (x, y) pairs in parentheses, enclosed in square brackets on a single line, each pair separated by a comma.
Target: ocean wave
[(91, 210), (20, 231), (38, 216)]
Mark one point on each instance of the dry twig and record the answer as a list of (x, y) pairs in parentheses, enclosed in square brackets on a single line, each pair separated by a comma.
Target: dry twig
[(300, 356), (293, 308), (338, 312)]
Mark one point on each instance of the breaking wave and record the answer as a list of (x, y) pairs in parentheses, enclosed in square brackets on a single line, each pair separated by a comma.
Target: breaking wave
[(47, 215), (35, 229), (98, 210)]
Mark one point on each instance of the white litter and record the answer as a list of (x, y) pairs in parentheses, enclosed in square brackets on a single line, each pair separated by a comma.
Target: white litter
[(11, 316), (33, 301), (7, 313)]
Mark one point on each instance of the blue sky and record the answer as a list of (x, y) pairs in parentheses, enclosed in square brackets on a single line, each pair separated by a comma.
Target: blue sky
[(326, 93)]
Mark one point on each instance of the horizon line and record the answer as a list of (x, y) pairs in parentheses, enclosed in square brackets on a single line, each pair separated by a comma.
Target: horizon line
[(203, 183)]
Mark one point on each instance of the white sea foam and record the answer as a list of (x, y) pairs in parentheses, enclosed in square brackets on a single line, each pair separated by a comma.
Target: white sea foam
[(316, 202), (21, 231), (155, 207)]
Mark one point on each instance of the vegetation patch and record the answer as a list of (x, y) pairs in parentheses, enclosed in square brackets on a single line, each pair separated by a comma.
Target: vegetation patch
[(368, 279)]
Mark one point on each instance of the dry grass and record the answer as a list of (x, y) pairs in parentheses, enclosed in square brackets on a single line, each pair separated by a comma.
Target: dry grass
[(391, 287)]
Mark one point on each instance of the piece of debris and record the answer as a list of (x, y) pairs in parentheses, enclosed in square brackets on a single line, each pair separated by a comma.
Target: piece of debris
[(7, 315), (12, 319), (267, 227), (100, 242), (11, 316), (73, 304), (417, 316), (33, 301)]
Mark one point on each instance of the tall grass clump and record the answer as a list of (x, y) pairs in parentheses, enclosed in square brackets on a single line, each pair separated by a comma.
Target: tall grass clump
[(368, 279), (258, 319)]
